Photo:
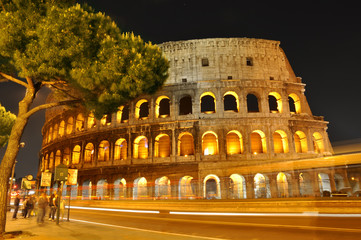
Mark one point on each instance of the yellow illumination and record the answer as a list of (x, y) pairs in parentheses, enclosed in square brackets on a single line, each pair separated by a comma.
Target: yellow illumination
[(279, 100)]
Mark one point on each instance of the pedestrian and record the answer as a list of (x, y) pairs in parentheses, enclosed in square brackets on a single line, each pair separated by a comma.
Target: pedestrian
[(24, 207), (29, 207), (42, 204), (62, 208), (52, 205), (16, 206)]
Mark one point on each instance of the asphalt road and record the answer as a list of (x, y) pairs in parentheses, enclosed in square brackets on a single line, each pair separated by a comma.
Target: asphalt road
[(256, 227)]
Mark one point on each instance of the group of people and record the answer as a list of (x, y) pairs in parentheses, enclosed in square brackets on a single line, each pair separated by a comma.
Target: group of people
[(38, 206)]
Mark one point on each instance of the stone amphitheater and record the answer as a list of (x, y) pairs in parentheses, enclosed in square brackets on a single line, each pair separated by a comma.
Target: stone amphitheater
[(231, 122)]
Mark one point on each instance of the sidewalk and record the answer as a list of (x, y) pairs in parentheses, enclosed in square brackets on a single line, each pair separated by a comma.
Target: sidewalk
[(29, 229)]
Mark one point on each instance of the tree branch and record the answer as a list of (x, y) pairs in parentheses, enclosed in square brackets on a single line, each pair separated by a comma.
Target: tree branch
[(50, 105), (10, 78)]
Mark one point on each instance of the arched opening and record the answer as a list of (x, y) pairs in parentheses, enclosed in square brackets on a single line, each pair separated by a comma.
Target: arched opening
[(294, 103), (187, 188), (51, 160), (162, 146), (91, 123), (252, 103), (231, 102), (50, 134), (318, 143), (120, 189), (280, 142), (300, 142), (87, 190), (79, 124), (142, 109), (282, 185), (261, 186), (120, 149), (66, 156), (339, 182), (55, 132), (237, 187), (102, 192), (275, 102), (75, 158), (57, 158), (162, 107), (162, 188), (140, 149), (185, 144), (123, 114), (258, 142), (208, 103), (74, 192), (103, 151), (61, 128), (89, 153), (185, 105), (106, 120), (46, 161), (324, 185), (69, 125), (306, 188), (209, 143), (234, 143), (140, 190), (211, 187)]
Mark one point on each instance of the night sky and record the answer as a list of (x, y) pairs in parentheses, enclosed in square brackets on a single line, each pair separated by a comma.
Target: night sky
[(321, 40)]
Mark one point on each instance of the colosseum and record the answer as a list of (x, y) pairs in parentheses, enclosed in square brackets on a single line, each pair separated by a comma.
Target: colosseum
[(231, 122)]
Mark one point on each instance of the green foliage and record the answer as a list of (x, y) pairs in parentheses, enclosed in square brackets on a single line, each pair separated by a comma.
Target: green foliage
[(72, 46), (7, 120)]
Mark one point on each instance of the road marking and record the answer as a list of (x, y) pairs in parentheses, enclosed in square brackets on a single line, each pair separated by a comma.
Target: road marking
[(146, 230), (114, 210)]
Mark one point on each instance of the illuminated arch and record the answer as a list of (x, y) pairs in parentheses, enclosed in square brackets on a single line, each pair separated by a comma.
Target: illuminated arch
[(258, 142), (275, 102), (103, 151), (75, 159), (339, 182), (91, 123), (162, 188), (46, 161), (79, 124), (106, 120), (208, 102), (185, 144), (237, 186), (120, 189), (57, 158), (318, 142), (282, 185), (209, 143), (261, 186), (234, 142), (280, 142), (186, 188), (51, 160), (300, 142), (89, 153), (69, 125), (55, 131), (294, 103), (66, 156), (102, 190), (62, 128), (50, 134), (121, 149), (162, 107), (140, 149), (324, 184), (231, 101), (305, 181), (162, 146), (140, 190), (87, 190), (211, 187), (142, 109)]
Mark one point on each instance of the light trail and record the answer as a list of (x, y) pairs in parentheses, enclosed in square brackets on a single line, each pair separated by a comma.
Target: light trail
[(147, 230), (114, 210)]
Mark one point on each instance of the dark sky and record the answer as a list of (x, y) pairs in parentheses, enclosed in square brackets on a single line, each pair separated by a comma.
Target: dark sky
[(320, 38)]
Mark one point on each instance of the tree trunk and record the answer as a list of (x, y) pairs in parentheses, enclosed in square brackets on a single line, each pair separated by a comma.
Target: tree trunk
[(12, 151)]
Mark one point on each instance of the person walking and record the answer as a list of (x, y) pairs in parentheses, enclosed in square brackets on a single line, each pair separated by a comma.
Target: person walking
[(62, 209), (52, 207), (25, 209), (42, 204), (29, 207), (16, 206)]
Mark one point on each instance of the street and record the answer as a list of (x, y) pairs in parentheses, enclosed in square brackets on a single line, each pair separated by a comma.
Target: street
[(184, 226)]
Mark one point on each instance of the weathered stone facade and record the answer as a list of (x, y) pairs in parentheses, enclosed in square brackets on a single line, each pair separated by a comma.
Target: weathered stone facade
[(230, 108)]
